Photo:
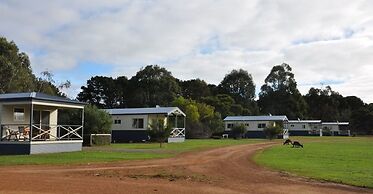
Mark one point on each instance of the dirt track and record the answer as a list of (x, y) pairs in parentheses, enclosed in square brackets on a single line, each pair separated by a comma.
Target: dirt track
[(223, 170)]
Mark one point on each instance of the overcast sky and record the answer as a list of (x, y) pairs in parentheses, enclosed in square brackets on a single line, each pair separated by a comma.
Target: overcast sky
[(325, 42)]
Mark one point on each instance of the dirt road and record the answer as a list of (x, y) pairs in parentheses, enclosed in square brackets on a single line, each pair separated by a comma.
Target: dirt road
[(222, 170)]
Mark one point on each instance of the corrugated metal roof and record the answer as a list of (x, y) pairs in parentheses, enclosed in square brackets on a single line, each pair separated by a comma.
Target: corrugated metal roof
[(256, 118), (37, 96), (304, 121), (335, 123), (136, 111)]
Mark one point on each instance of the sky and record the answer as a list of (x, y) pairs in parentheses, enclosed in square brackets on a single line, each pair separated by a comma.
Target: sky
[(325, 42)]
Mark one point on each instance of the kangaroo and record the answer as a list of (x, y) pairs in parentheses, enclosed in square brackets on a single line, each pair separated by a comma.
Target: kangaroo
[(287, 142), (296, 144)]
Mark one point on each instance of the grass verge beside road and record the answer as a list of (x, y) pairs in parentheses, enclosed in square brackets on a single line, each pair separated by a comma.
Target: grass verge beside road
[(347, 160), (118, 152), (188, 145)]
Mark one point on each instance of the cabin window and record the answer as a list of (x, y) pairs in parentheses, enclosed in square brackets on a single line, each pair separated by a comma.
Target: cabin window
[(19, 114), (261, 125), (138, 123), (247, 124), (229, 125), (291, 125), (117, 121), (304, 126)]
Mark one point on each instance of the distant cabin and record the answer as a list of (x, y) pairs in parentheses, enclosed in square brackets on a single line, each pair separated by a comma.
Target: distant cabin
[(305, 128), (255, 124), (30, 125), (318, 128), (131, 124), (336, 128)]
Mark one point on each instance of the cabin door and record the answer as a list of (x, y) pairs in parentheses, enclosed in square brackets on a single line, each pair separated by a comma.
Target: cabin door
[(41, 118), (36, 118), (40, 121), (45, 119)]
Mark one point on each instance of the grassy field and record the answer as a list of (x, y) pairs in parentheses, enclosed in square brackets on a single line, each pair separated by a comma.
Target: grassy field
[(118, 152), (347, 160), (188, 145)]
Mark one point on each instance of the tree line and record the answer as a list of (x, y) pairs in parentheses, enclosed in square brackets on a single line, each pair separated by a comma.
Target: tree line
[(205, 104)]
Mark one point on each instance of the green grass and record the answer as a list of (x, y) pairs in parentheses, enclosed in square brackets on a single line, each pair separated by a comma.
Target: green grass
[(118, 152), (347, 160), (188, 145), (82, 157)]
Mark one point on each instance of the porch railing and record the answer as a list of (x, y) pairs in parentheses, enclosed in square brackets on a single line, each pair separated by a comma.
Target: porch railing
[(177, 132), (15, 132), (36, 132)]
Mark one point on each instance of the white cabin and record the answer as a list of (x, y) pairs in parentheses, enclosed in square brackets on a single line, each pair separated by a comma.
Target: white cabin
[(336, 128), (305, 127), (29, 124), (131, 124), (255, 124)]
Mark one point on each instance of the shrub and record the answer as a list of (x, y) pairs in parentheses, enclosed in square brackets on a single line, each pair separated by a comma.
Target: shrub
[(96, 139), (238, 131), (272, 131), (326, 131), (197, 130), (96, 121), (158, 131), (202, 120)]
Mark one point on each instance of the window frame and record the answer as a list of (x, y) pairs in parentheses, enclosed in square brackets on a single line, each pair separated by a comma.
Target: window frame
[(136, 124), (117, 121), (16, 117)]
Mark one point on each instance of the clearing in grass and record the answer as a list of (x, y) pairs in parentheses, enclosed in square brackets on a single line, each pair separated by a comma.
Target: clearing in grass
[(347, 160)]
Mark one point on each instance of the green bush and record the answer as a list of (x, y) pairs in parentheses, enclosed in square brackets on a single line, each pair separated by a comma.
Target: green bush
[(326, 131), (202, 120), (238, 131), (96, 121), (272, 131), (96, 140), (101, 140), (158, 131)]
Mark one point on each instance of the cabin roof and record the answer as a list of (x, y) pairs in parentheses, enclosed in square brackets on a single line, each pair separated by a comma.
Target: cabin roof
[(29, 96), (335, 123), (305, 121), (137, 111), (256, 118)]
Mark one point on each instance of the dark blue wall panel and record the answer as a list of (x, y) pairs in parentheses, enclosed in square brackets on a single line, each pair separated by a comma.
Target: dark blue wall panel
[(14, 149), (301, 133), (249, 134), (124, 136), (255, 134)]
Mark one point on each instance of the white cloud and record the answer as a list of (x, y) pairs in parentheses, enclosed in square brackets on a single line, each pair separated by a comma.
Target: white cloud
[(213, 67), (324, 41)]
